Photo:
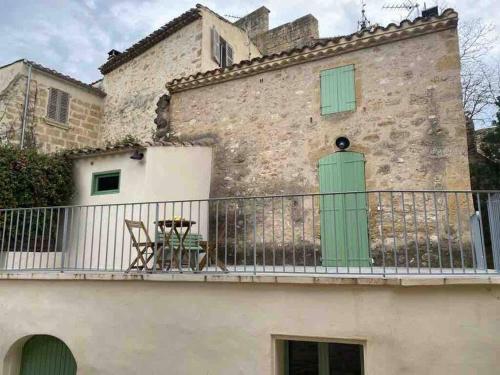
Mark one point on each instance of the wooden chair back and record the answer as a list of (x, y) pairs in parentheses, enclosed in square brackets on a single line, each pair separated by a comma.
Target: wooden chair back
[(131, 225)]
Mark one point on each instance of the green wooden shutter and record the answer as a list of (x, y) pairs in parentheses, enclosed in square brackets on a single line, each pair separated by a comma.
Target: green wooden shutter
[(338, 92), (47, 355), (344, 219)]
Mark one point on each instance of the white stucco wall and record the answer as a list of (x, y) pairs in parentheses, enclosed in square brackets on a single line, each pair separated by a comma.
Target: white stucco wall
[(164, 174), (98, 236), (214, 328)]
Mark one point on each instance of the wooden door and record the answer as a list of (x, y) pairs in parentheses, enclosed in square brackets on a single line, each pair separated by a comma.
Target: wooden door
[(47, 355), (344, 219)]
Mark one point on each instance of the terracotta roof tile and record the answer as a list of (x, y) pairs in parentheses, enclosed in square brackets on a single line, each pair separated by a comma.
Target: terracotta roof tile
[(64, 77), (131, 146), (149, 41)]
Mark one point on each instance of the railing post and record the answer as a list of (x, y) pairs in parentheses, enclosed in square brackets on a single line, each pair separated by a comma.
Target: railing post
[(65, 238), (155, 237)]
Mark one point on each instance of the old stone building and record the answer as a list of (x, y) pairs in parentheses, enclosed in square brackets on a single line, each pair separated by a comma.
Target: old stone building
[(56, 111), (133, 81), (194, 42), (285, 204)]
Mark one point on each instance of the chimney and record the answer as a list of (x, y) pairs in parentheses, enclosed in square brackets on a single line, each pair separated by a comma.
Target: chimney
[(255, 23), (113, 53), (430, 12)]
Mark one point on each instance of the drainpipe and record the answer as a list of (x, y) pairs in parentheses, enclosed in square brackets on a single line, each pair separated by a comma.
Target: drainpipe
[(26, 103)]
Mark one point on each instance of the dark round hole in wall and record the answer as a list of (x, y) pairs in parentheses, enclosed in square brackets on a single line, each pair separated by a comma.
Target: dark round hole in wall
[(342, 143), (137, 155)]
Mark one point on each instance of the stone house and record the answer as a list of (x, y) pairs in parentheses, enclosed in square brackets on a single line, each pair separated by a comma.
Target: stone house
[(291, 204), (271, 128), (133, 81), (55, 110), (275, 121), (195, 41)]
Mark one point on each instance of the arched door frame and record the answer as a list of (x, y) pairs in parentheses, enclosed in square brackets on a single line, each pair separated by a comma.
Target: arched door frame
[(13, 358)]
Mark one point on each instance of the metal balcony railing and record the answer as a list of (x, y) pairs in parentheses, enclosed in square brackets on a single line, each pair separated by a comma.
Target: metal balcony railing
[(373, 232)]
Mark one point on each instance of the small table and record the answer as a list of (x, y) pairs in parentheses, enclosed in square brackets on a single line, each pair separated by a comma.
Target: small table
[(174, 225)]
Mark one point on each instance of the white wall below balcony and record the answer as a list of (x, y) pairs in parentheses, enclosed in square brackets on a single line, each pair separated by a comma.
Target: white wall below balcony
[(188, 327)]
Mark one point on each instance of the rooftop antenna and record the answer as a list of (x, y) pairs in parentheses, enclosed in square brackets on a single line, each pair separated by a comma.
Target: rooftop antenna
[(364, 23), (248, 42), (407, 5)]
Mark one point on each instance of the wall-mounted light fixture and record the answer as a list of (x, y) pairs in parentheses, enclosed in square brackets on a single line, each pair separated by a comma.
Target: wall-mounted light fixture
[(137, 155), (342, 143)]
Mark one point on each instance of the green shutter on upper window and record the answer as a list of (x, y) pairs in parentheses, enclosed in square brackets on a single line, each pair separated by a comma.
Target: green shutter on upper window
[(338, 92)]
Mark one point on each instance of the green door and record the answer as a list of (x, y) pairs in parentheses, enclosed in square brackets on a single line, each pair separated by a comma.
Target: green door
[(344, 219), (47, 355)]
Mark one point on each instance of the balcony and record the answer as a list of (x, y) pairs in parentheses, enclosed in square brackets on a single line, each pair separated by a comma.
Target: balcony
[(356, 233)]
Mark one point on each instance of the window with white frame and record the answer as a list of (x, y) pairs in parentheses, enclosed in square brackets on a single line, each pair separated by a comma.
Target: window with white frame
[(58, 106), (222, 51)]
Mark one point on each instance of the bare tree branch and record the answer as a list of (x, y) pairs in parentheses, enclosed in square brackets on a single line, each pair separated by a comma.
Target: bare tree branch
[(480, 81)]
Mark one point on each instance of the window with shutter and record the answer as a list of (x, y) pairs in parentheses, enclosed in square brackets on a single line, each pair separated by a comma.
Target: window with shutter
[(215, 45), (58, 106), (63, 107), (229, 54), (338, 92), (222, 51), (52, 106)]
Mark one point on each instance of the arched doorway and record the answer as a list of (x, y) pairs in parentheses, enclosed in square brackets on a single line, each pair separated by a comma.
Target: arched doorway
[(47, 355), (344, 218)]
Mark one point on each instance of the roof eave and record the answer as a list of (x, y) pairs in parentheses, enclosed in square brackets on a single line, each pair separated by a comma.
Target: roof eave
[(448, 19), (55, 74), (151, 40)]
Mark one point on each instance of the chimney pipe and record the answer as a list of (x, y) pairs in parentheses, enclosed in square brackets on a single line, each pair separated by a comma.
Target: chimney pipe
[(113, 53)]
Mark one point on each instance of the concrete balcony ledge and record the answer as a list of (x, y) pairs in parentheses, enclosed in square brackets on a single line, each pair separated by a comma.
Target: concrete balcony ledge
[(305, 279)]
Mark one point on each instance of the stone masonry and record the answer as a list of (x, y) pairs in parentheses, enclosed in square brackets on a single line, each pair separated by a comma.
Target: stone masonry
[(134, 88), (270, 133), (295, 34), (298, 33), (84, 116)]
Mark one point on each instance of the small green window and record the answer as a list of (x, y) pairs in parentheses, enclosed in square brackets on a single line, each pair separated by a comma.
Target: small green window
[(106, 182), (338, 92)]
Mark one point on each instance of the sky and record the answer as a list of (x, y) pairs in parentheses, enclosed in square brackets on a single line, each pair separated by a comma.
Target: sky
[(74, 36)]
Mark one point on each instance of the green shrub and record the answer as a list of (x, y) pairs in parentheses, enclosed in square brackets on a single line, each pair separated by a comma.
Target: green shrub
[(29, 178)]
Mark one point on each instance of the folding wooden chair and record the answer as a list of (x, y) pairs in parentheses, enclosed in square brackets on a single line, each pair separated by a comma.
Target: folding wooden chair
[(210, 257), (146, 250)]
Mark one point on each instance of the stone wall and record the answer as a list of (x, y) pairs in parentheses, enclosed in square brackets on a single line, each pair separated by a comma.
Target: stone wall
[(291, 35), (270, 134), (11, 108), (134, 88), (256, 22), (409, 125), (81, 130)]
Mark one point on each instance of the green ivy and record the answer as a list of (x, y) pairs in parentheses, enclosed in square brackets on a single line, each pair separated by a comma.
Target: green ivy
[(29, 178)]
